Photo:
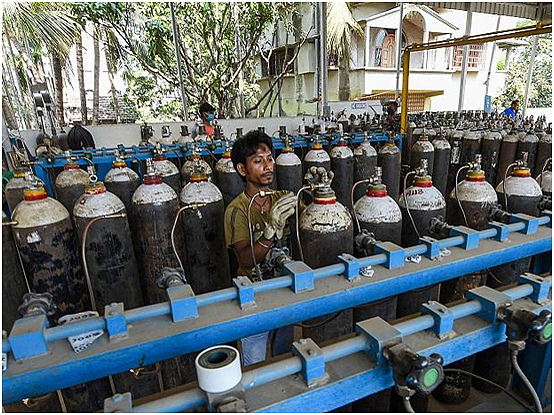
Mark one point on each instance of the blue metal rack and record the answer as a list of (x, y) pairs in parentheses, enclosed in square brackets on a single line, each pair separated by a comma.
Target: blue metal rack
[(104, 157), (40, 359)]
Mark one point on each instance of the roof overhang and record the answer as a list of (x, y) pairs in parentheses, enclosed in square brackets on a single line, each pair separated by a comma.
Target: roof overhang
[(433, 21), (524, 10)]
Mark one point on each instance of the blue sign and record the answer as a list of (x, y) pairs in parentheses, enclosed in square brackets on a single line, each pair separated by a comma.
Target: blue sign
[(488, 104), (359, 105)]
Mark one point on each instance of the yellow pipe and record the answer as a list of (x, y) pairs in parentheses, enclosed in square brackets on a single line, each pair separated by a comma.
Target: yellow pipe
[(539, 29), (404, 94)]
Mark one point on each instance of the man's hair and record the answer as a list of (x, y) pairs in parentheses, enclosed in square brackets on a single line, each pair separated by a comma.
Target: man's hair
[(205, 107), (514, 102), (247, 145)]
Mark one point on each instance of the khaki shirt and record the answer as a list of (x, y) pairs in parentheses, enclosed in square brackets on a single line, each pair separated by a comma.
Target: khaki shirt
[(236, 221)]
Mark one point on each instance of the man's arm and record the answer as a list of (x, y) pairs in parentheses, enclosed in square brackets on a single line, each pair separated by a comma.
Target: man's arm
[(244, 253)]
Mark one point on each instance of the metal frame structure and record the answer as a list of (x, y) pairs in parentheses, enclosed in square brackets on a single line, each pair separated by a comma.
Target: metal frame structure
[(104, 157), (466, 40), (40, 359)]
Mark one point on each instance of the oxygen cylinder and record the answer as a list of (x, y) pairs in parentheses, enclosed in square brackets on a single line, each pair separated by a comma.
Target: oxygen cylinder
[(70, 184), (490, 149), (227, 179), (528, 144), (419, 203), (14, 282), (423, 149), (408, 141), (167, 171), (389, 160), (21, 180), (326, 231), (122, 182), (365, 161), (185, 137), (342, 166), (544, 152), (471, 145), (523, 192), (47, 244), (111, 265), (188, 168), (508, 151), (155, 205), (288, 171), (545, 181), (455, 157), (207, 263), (441, 162), (476, 196), (316, 157)]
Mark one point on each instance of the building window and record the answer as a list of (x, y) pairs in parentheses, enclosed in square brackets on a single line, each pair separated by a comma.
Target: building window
[(385, 48), (277, 60), (476, 56)]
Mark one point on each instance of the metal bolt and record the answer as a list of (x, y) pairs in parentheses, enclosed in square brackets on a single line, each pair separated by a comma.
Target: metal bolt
[(302, 342), (311, 352)]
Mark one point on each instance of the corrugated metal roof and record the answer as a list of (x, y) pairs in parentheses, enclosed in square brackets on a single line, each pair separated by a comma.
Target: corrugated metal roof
[(522, 10)]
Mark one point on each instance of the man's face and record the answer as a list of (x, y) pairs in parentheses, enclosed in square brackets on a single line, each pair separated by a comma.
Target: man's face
[(516, 106), (259, 167)]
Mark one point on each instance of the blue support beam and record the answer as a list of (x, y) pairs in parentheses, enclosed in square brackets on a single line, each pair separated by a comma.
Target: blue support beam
[(155, 337)]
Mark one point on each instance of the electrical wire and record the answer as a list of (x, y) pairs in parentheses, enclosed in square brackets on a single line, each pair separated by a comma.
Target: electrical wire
[(490, 382), (526, 382), (407, 204), (352, 202), (456, 193)]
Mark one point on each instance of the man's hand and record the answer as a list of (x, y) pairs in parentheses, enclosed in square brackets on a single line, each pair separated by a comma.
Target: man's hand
[(279, 214)]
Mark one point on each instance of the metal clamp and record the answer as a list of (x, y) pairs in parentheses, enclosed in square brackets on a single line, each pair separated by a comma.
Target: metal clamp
[(471, 237), (313, 361), (502, 231), (444, 319), (380, 335), (433, 247), (119, 403), (395, 254), (531, 223), (116, 324), (245, 292), (491, 301), (541, 286), (182, 302), (351, 266), (302, 276)]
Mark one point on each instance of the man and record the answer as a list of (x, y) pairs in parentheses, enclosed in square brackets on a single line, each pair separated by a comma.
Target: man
[(253, 160), (207, 116), (513, 110)]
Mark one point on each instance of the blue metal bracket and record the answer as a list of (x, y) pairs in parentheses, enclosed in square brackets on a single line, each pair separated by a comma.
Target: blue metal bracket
[(27, 338), (541, 286), (351, 266), (549, 214), (379, 334), (395, 254), (471, 237), (444, 319), (502, 231), (245, 292), (182, 302), (119, 403), (491, 300), (302, 276), (531, 223), (433, 246), (116, 324), (313, 361)]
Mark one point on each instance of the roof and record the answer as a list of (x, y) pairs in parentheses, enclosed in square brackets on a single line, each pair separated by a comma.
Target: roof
[(523, 10), (433, 21)]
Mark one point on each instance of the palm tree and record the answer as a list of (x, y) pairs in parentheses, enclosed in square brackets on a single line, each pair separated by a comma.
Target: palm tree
[(32, 25), (341, 27), (96, 87), (81, 78)]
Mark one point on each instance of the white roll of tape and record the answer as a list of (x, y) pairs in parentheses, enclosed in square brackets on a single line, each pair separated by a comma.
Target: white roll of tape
[(218, 369)]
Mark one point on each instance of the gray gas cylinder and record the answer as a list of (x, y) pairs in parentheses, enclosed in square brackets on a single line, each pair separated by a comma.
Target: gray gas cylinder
[(342, 165), (227, 179), (389, 160), (365, 161), (122, 182)]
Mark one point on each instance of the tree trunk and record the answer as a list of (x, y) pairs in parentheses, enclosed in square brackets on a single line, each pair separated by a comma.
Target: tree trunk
[(112, 88), (96, 86), (344, 79), (58, 79), (81, 79)]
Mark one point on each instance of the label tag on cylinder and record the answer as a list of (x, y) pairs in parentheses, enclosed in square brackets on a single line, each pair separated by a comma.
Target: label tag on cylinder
[(4, 362), (84, 340)]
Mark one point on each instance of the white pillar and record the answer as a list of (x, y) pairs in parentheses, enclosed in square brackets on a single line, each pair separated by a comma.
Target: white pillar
[(425, 40), (367, 44), (469, 16)]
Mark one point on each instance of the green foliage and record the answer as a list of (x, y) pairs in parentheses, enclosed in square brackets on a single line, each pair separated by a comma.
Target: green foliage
[(540, 91), (501, 65)]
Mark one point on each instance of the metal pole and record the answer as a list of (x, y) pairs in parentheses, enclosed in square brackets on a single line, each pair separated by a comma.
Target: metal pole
[(469, 16), (324, 58), (317, 13), (487, 82), (530, 73), (405, 86), (178, 58), (399, 48)]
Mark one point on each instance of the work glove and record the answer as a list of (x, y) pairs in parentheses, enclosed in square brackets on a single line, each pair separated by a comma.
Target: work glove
[(279, 213)]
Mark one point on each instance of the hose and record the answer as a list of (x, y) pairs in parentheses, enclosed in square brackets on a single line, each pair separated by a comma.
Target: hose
[(191, 206), (504, 185), (261, 193), (544, 168), (526, 382), (352, 202), (456, 193), (407, 204), (297, 224), (408, 405)]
